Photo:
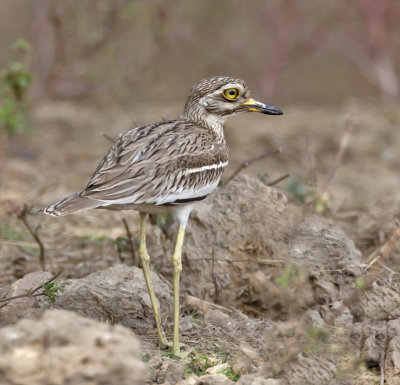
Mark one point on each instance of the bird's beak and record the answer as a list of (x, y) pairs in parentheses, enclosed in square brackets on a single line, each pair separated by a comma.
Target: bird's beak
[(256, 106)]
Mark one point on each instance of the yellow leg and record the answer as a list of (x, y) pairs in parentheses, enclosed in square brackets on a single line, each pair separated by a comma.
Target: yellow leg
[(145, 261), (177, 263)]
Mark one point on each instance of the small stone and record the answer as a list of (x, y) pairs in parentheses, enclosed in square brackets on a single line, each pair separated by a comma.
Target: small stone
[(26, 306)]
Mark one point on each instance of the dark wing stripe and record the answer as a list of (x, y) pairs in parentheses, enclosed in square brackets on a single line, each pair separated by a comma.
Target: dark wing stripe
[(183, 201)]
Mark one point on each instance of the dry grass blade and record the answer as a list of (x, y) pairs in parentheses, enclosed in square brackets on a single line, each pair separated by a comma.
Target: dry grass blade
[(312, 160), (112, 140), (130, 237), (249, 162), (386, 250), (278, 180), (338, 158), (205, 306), (373, 274), (22, 215)]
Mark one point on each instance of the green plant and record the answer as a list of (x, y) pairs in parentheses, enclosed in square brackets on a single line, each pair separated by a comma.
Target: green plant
[(146, 357), (315, 339), (9, 232), (163, 220), (360, 283), (263, 178), (308, 194), (199, 363), (15, 81), (231, 374), (299, 190), (172, 356), (285, 278), (51, 290), (123, 244)]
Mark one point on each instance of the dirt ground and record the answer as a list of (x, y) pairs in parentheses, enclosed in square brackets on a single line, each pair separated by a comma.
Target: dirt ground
[(65, 148)]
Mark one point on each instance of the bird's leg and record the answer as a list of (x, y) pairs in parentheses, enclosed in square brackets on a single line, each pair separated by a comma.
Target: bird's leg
[(145, 261), (177, 263)]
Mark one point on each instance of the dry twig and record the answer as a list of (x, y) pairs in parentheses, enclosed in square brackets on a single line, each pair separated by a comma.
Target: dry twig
[(214, 278), (112, 140), (205, 306), (338, 158), (313, 162), (130, 238), (373, 272), (31, 292), (22, 215), (249, 162), (278, 180)]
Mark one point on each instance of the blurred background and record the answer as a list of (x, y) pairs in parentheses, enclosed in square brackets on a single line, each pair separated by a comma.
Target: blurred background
[(131, 50), (77, 73)]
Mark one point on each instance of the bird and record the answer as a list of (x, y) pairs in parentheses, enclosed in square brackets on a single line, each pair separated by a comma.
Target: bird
[(168, 167)]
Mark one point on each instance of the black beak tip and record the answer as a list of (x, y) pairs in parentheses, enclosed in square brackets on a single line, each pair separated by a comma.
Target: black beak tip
[(274, 111)]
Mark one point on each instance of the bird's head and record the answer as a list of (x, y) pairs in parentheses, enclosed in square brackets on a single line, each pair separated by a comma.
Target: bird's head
[(219, 97)]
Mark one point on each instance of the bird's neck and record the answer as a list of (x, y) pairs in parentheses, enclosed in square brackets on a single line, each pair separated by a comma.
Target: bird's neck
[(214, 123)]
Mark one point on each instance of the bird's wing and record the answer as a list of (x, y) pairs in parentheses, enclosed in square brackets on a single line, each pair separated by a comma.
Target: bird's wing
[(159, 164)]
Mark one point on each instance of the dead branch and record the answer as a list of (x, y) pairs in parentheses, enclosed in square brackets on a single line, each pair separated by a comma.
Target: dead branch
[(112, 140), (338, 158), (205, 306), (214, 278), (311, 159), (130, 238), (382, 368), (22, 215), (278, 180), (373, 273), (31, 292), (249, 162), (109, 28)]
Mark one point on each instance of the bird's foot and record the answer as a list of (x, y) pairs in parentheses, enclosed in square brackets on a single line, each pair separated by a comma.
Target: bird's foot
[(164, 343)]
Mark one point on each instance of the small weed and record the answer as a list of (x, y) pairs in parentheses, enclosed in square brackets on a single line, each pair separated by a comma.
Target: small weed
[(360, 283), (298, 190), (316, 338), (9, 232), (172, 356), (96, 239), (146, 357), (308, 194), (200, 362), (51, 290), (163, 220), (285, 278), (14, 84), (194, 313), (231, 374), (263, 178), (123, 244)]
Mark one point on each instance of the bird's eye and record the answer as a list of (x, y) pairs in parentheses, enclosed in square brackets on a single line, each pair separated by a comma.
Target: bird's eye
[(231, 94)]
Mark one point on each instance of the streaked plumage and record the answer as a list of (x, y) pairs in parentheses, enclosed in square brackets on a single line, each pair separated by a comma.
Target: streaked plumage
[(168, 166)]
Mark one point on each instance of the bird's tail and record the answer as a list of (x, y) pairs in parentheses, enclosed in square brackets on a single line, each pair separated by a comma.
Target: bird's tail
[(71, 204)]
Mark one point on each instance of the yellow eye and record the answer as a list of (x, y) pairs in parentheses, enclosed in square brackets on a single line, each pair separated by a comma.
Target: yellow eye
[(231, 94)]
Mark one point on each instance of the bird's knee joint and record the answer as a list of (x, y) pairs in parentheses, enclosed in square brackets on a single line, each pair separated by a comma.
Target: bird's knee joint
[(144, 256), (177, 263)]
